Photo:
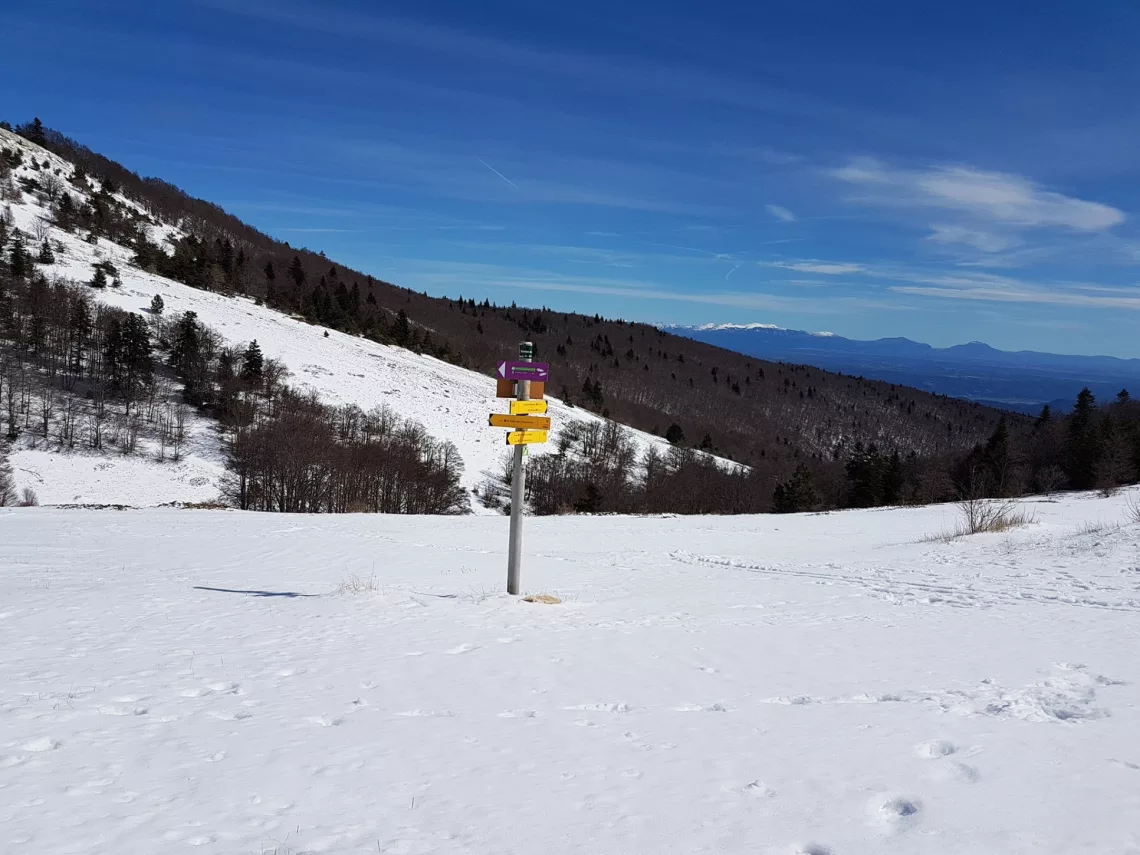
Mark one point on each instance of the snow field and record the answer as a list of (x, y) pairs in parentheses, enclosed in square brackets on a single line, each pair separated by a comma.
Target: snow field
[(176, 681)]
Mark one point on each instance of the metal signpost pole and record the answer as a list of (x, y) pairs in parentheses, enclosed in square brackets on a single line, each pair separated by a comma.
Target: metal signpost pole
[(518, 487)]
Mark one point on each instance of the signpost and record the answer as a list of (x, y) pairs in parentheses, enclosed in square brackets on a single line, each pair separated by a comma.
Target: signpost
[(526, 437), (523, 369), (526, 408), (523, 379), (519, 422)]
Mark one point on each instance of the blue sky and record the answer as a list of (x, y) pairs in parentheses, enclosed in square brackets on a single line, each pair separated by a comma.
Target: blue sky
[(948, 173)]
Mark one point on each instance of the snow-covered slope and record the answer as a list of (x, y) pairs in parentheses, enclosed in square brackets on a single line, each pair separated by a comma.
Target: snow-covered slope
[(188, 681), (452, 403)]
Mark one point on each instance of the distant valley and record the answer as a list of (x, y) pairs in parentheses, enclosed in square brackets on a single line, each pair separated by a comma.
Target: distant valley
[(1022, 381)]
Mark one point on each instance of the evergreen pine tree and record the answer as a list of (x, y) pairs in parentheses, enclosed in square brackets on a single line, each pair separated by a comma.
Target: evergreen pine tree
[(252, 363), (157, 305), (402, 333), (675, 435), (99, 280), (46, 255), (894, 479), (996, 460), (865, 473), (79, 325), (796, 494), (1082, 445), (18, 263), (33, 132), (297, 272), (137, 371)]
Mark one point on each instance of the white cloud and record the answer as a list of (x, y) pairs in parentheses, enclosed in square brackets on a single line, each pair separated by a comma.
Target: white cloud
[(1023, 294), (986, 241), (828, 268), (780, 213), (996, 197)]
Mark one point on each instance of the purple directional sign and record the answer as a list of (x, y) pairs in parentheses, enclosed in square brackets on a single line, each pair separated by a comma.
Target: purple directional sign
[(512, 370)]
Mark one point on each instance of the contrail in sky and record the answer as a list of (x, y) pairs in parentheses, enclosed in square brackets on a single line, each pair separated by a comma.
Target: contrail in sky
[(497, 172)]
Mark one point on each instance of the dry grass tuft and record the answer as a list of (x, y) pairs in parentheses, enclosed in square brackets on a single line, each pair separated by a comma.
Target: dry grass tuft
[(359, 585), (983, 516), (542, 598), (1132, 509), (980, 516)]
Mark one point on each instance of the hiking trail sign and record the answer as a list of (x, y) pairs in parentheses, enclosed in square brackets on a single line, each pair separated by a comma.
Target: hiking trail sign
[(521, 370), (522, 380)]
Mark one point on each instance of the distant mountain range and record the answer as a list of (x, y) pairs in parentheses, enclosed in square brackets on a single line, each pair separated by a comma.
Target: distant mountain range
[(1023, 380)]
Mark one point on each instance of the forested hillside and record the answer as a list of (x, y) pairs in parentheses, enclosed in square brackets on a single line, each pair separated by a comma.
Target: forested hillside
[(809, 438), (638, 373)]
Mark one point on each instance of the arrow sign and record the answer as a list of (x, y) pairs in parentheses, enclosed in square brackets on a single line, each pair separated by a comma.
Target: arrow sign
[(526, 437), (524, 408), (519, 422), (513, 370)]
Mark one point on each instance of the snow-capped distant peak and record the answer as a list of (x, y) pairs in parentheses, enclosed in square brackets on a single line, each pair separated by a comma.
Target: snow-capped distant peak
[(704, 327), (708, 327), (823, 334)]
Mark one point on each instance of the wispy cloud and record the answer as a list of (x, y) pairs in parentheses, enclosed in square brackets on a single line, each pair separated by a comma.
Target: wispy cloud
[(827, 268), (671, 80), (780, 213), (1022, 295), (990, 196), (985, 241)]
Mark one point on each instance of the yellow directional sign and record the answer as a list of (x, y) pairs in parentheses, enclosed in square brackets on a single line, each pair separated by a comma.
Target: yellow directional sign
[(526, 437), (519, 422), (522, 408)]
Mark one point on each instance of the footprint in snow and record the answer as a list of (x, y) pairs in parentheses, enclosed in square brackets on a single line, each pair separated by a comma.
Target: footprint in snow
[(427, 714), (240, 715), (44, 743), (894, 813), (609, 708), (758, 789), (935, 749), (121, 709), (462, 648)]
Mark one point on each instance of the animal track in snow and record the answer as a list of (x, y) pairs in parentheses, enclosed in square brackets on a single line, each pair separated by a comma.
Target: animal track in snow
[(758, 789), (44, 743), (609, 708), (935, 749), (518, 714), (462, 648), (895, 813), (954, 771), (122, 709), (427, 714), (240, 715), (716, 707)]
